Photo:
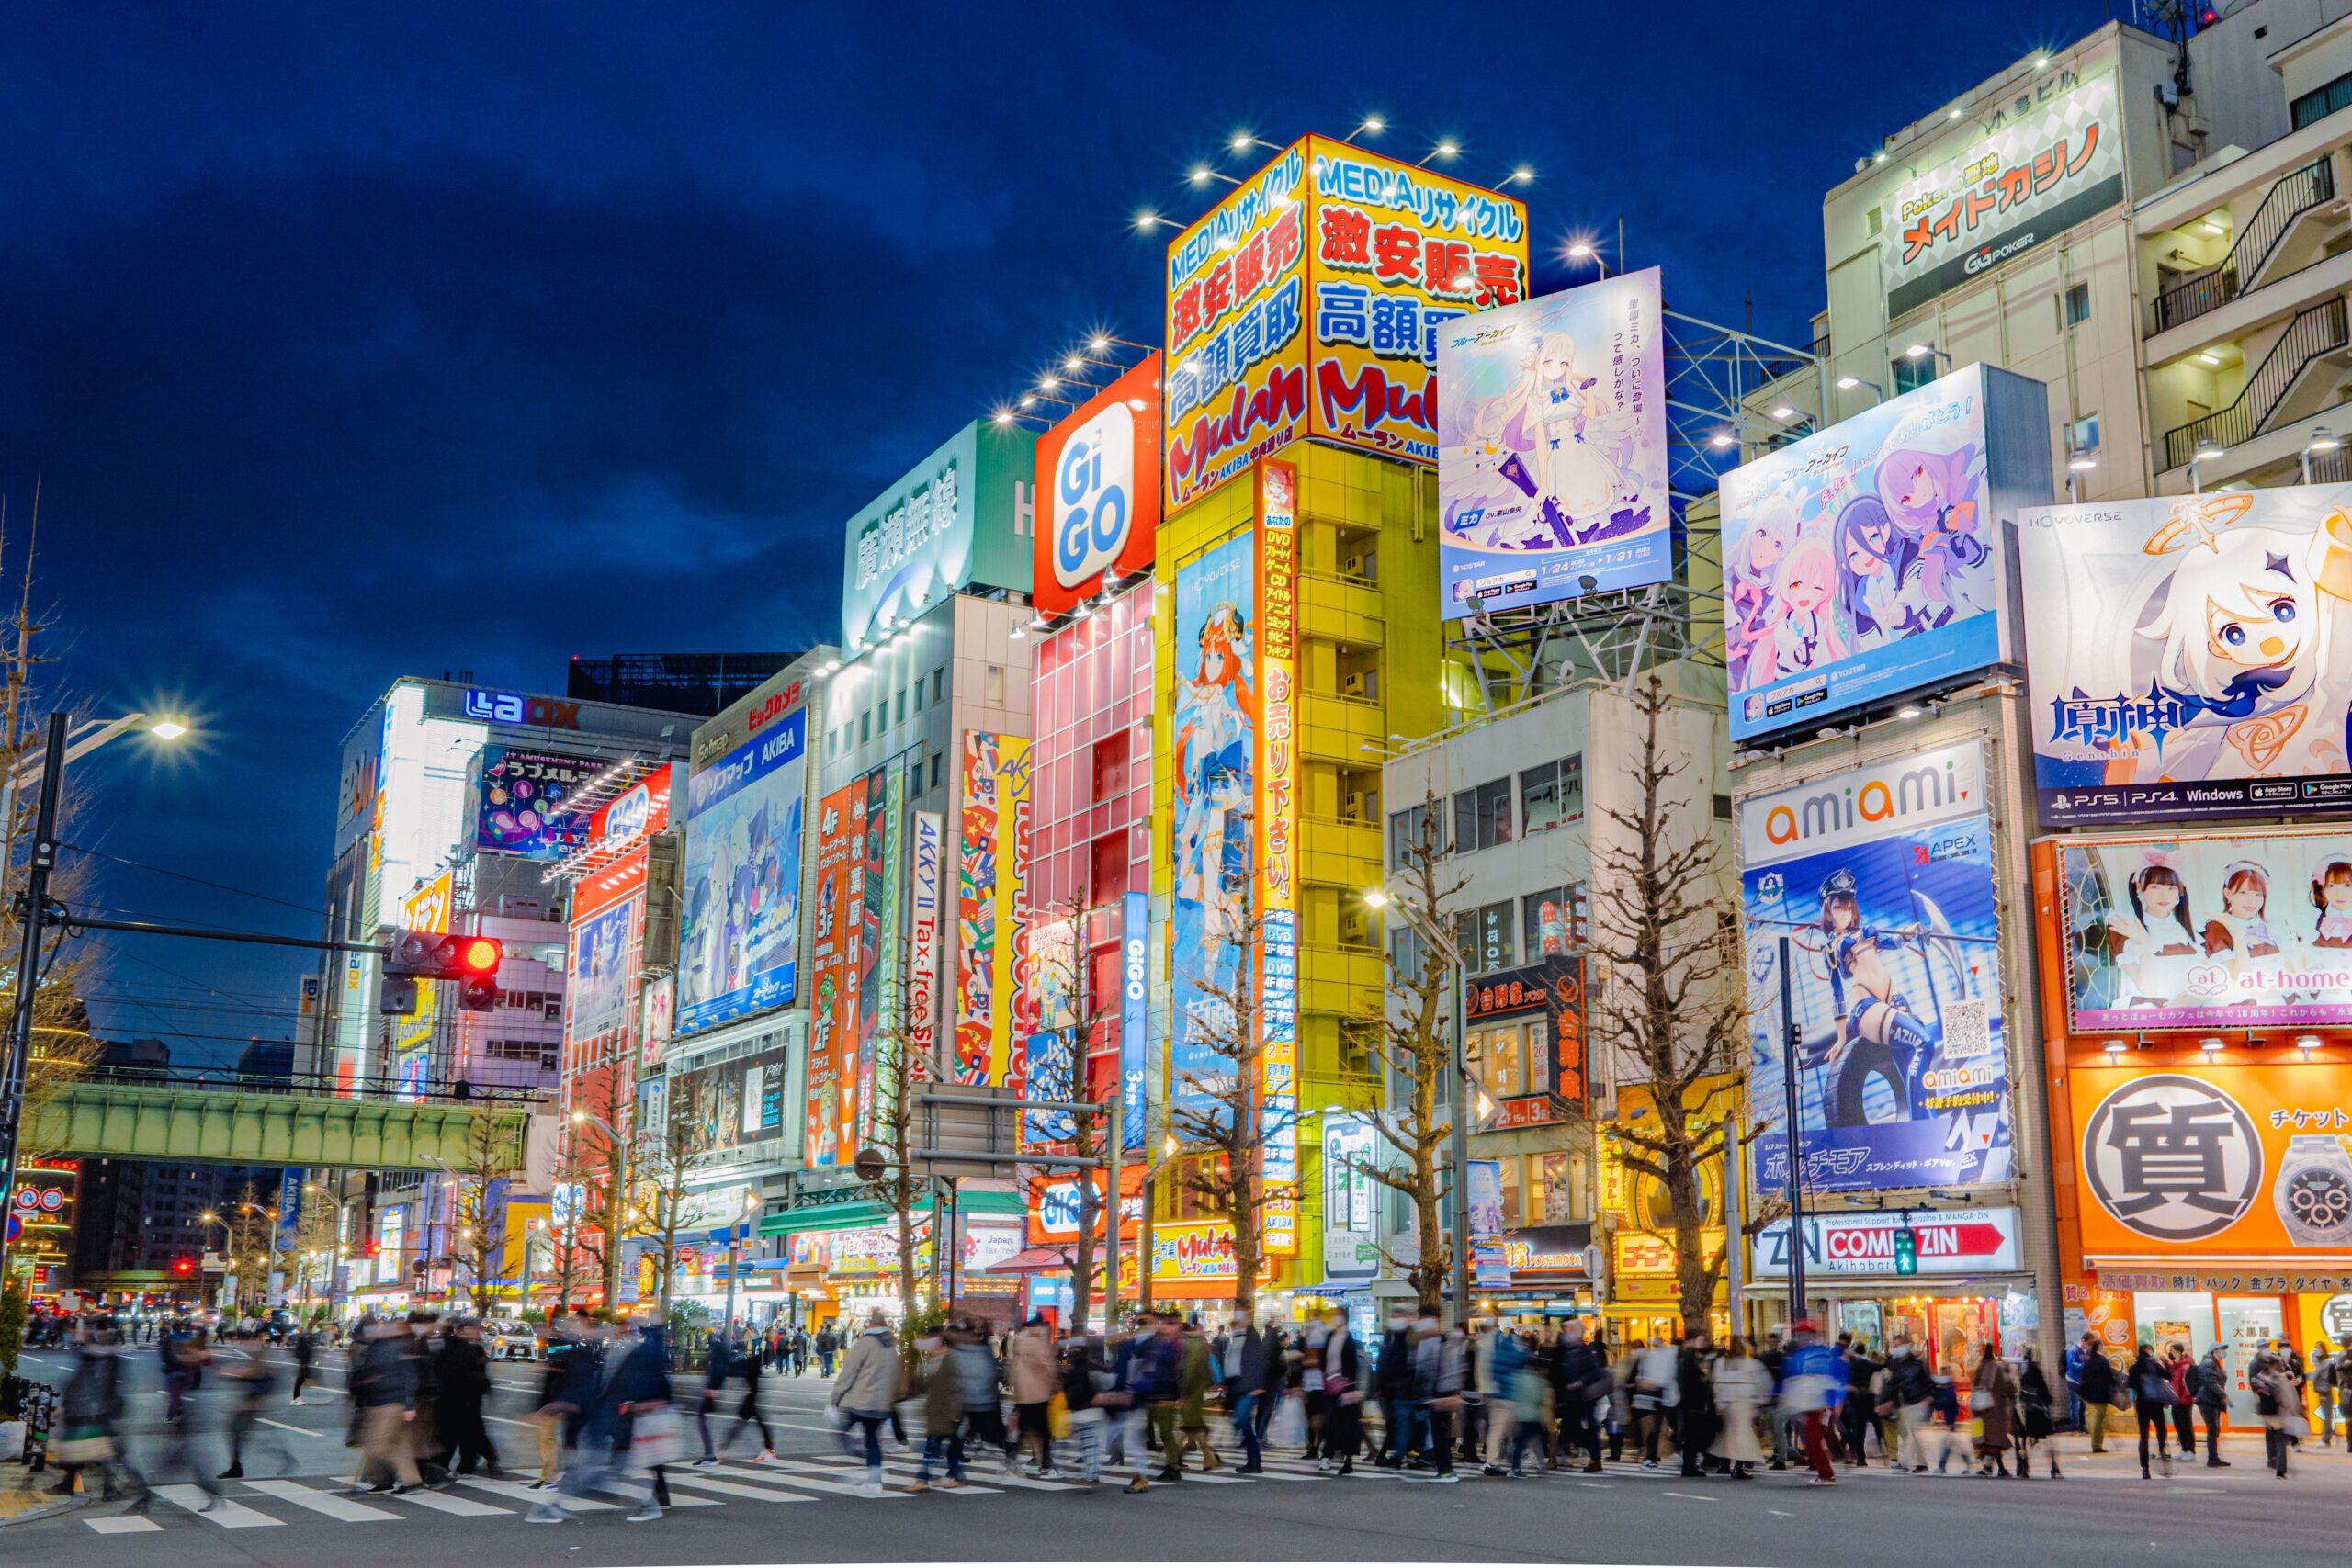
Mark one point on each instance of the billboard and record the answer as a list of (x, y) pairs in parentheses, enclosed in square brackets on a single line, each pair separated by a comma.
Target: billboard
[(1946, 1241), (1878, 886), (2022, 185), (1867, 560), (923, 936), (1098, 491), (1134, 1016), (1309, 302), (1276, 824), (1552, 466), (729, 1104), (2189, 655), (2232, 933), (1351, 1150), (521, 811), (2221, 1163), (1212, 726), (840, 827), (739, 933), (597, 997), (948, 523), (995, 797)]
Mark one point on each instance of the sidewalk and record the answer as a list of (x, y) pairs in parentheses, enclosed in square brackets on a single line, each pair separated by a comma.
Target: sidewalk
[(2330, 1469), (20, 1503)]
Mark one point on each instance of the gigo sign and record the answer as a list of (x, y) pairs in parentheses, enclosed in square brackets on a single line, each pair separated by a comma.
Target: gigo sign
[(1098, 477)]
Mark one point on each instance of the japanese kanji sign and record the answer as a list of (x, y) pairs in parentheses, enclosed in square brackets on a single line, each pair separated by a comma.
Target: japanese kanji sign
[(2040, 169), (962, 515), (522, 809)]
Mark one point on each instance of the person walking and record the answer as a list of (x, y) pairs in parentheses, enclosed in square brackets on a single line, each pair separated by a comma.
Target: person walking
[(1694, 1403), (2278, 1400), (1392, 1386), (1497, 1371), (2036, 1417), (1911, 1392), (1992, 1398), (1195, 1376), (1030, 1368), (1441, 1371), (250, 1380), (1152, 1385), (866, 1391), (2096, 1381), (746, 1367), (463, 1366), (2178, 1369), (2209, 1386), (1740, 1387), (1811, 1380), (383, 1393), (89, 1435), (715, 1356), (983, 1396), (2322, 1387), (2151, 1386), (1245, 1367), (306, 1353), (1343, 1389), (1860, 1410), (1580, 1387), (1653, 1396), (828, 1346), (942, 1412), (2078, 1408), (1076, 1370)]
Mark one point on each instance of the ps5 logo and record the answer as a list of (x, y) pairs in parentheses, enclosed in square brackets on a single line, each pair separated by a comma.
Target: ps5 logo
[(1094, 495)]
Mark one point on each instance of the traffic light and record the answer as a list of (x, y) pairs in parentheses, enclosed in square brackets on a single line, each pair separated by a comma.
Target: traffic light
[(183, 1265), (471, 961)]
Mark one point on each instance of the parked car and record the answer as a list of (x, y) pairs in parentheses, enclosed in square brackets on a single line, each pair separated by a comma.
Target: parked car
[(511, 1340)]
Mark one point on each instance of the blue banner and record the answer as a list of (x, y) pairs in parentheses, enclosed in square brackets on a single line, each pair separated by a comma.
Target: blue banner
[(1135, 1015), (739, 934)]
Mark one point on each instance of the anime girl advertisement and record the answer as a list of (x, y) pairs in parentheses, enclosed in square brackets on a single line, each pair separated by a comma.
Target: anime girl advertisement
[(2188, 656), (1876, 888), (1552, 465), (2250, 932), (1865, 563), (1214, 727), (739, 933)]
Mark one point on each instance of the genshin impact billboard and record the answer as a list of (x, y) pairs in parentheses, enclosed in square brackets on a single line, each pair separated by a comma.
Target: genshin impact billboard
[(2188, 657), (1552, 473), (1867, 561), (1877, 886), (2209, 934)]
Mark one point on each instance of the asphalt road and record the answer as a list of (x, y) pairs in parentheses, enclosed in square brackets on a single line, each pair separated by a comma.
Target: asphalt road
[(289, 1511)]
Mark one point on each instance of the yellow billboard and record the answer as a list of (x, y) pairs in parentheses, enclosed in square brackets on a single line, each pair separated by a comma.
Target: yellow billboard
[(1308, 302)]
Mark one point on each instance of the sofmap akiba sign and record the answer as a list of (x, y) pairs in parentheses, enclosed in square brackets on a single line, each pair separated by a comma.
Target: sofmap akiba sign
[(2041, 168)]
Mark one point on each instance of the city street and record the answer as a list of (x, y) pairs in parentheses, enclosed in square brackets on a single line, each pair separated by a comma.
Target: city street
[(291, 1510)]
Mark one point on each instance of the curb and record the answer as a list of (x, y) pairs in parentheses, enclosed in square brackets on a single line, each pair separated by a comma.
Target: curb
[(42, 1506)]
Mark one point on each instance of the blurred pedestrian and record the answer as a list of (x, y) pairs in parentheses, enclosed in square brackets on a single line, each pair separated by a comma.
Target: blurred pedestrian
[(1991, 1393), (942, 1390), (2151, 1404), (1741, 1387), (1031, 1370), (462, 1370), (2036, 1416), (866, 1391), (383, 1395)]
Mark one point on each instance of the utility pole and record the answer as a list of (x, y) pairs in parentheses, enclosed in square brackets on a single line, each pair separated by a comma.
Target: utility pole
[(1792, 1036), (35, 910)]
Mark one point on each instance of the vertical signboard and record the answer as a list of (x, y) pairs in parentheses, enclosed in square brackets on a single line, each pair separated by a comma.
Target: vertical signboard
[(1277, 829), (1882, 881), (1098, 491), (1352, 1148), (833, 1039), (739, 935), (426, 909), (1213, 729), (995, 791), (1135, 1015), (1552, 472), (1016, 968), (922, 940), (953, 520), (1051, 1068)]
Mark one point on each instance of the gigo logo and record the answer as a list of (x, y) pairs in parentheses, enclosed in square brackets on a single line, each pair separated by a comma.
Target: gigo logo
[(1094, 495)]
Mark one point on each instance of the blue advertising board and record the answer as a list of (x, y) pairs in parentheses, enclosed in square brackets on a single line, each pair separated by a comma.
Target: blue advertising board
[(739, 933), (1134, 1016), (1877, 886), (1869, 561)]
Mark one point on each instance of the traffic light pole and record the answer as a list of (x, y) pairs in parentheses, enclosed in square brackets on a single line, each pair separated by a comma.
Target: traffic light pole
[(35, 915)]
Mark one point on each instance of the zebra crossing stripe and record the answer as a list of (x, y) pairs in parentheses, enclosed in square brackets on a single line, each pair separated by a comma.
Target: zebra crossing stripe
[(228, 1516), (698, 1481), (463, 1507), (521, 1493), (123, 1524), (798, 1477), (327, 1503)]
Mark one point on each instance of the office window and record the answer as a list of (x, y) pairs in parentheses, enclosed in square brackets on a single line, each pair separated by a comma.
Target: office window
[(2075, 304), (2081, 434), (1404, 830), (1564, 1185), (902, 707), (1484, 935), (1553, 795), (864, 728), (1514, 1215), (1498, 1059), (1405, 953), (1911, 374), (939, 684), (1482, 816), (936, 759), (992, 689), (918, 693), (1552, 922)]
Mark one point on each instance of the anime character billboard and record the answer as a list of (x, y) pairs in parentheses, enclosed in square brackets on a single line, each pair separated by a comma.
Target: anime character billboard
[(2209, 934), (1552, 472), (602, 957), (1866, 562), (1214, 725), (739, 933), (1876, 888), (2188, 655)]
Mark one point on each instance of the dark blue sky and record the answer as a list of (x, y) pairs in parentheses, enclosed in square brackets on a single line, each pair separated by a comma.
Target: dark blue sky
[(349, 346)]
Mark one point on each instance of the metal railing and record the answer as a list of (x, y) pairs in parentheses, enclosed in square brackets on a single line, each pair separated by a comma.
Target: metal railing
[(2318, 331), (2288, 199)]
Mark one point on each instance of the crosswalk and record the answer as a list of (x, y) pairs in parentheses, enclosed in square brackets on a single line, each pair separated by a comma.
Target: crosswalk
[(263, 1504)]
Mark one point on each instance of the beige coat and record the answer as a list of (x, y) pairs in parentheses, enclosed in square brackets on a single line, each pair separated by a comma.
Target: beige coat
[(1031, 1367)]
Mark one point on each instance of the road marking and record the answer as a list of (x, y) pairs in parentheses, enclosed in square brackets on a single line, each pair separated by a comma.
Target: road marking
[(325, 1503), (442, 1503), (517, 1490), (1695, 1497), (1017, 1482), (510, 1421), (306, 1431), (1778, 1515), (123, 1524), (697, 1483), (798, 1477), (228, 1516), (1598, 1485)]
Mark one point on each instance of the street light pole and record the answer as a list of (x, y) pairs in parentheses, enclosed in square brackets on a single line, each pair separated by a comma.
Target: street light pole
[(1791, 1034), (21, 1025)]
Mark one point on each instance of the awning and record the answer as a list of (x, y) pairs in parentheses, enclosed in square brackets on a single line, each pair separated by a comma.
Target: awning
[(1038, 1260), (866, 1214)]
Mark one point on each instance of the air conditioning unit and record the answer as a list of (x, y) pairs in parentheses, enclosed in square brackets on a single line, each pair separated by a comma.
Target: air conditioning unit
[(1352, 684), (1354, 927), (1357, 565), (1354, 805)]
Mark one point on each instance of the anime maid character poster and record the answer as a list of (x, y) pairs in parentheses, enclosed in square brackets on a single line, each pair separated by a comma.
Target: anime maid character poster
[(1866, 562), (1876, 888), (2188, 655), (2209, 932), (1552, 472), (1213, 731), (739, 933)]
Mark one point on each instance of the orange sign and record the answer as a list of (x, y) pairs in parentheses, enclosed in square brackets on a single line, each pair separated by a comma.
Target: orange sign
[(1098, 489), (2219, 1162)]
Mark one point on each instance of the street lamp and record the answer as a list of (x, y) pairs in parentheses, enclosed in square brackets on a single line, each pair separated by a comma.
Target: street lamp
[(2207, 451), (1584, 250), (2321, 440), (1457, 1097), (1926, 351), (1848, 383), (65, 742)]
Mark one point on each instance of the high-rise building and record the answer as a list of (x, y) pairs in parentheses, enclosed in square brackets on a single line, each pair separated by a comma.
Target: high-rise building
[(699, 683)]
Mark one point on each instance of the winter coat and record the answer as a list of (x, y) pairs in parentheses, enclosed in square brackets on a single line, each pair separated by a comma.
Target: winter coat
[(869, 1383), (1033, 1367), (385, 1374), (1579, 1374), (943, 1396), (2033, 1403), (1741, 1384), (1995, 1378), (2209, 1385), (2096, 1381), (1194, 1381)]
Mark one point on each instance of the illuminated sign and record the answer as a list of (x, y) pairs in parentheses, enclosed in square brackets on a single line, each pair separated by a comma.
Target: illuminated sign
[(922, 960), (512, 707), (1134, 1016), (773, 707), (1098, 488), (961, 516), (1277, 828)]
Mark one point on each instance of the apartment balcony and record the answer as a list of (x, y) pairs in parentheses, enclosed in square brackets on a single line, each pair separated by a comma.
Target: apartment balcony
[(1334, 729), (2276, 456), (1350, 982), (1342, 608), (2302, 373), (2289, 231), (1342, 851)]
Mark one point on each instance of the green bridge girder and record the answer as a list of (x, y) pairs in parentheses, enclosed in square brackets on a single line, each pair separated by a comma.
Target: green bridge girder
[(222, 1126)]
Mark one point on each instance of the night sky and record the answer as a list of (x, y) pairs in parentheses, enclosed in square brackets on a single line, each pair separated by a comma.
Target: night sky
[(351, 347)]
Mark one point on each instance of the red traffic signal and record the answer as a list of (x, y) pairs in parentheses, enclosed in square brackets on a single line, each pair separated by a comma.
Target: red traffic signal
[(436, 956), (478, 955), (183, 1265)]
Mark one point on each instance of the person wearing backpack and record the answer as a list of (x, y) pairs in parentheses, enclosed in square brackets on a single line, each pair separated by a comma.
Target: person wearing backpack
[(2097, 1385), (2323, 1375), (2151, 1386)]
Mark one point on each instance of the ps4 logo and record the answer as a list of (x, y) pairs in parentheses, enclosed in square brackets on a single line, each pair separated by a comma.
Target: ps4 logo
[(509, 708), (1093, 497)]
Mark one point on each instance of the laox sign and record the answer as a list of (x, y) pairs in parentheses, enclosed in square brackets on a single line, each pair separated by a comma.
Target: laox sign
[(510, 707)]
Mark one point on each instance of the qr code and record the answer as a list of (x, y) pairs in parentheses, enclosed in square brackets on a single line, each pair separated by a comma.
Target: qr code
[(1968, 1027)]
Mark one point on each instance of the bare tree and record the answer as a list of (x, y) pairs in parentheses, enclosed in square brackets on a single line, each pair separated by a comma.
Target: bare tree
[(1219, 1117), (477, 1244), (568, 1257), (1412, 1038), (899, 1072), (599, 1153), (1672, 1004), (667, 1154)]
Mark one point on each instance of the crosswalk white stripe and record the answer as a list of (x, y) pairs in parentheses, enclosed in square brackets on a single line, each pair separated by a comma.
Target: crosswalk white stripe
[(799, 1475), (907, 1470), (463, 1507), (515, 1489), (971, 1468), (623, 1493), (698, 1482), (123, 1524), (325, 1503), (228, 1516)]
